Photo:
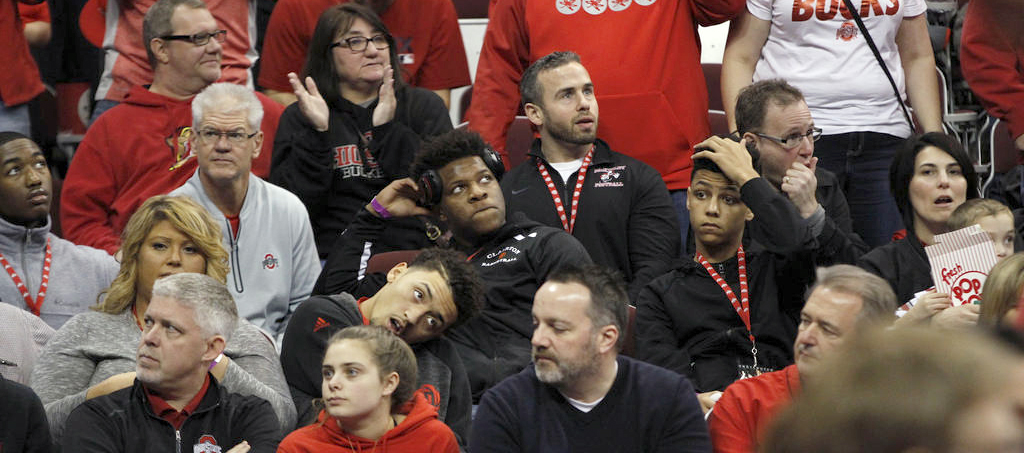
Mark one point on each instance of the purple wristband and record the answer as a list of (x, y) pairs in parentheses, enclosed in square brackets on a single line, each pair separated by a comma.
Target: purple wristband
[(384, 214)]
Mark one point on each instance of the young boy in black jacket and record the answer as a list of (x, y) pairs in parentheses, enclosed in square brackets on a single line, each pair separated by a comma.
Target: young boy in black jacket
[(455, 180)]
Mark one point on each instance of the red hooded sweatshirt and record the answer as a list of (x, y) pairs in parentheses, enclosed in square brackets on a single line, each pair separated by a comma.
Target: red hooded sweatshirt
[(420, 432)]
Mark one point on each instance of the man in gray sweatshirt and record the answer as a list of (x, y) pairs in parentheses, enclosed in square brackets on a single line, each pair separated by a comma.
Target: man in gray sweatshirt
[(46, 275)]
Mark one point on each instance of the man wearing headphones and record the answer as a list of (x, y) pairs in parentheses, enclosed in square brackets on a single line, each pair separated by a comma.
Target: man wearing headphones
[(456, 182)]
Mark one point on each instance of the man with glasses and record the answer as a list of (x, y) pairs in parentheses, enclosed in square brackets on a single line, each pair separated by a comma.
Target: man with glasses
[(775, 121), (141, 147), (266, 229), (121, 29)]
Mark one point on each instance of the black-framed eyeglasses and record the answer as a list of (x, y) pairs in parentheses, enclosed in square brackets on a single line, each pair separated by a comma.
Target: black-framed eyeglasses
[(213, 135), (359, 43), (794, 140), (200, 39)]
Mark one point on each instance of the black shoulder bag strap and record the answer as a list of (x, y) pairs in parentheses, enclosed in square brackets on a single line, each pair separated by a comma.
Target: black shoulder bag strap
[(878, 57)]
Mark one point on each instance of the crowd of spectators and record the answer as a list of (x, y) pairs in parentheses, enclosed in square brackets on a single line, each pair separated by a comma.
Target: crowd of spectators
[(312, 258)]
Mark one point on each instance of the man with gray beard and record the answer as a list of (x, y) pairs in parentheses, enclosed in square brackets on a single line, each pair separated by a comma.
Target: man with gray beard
[(580, 394)]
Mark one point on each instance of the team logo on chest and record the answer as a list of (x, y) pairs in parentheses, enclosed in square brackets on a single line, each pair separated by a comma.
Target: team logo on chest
[(595, 6), (207, 444), (609, 177), (269, 262), (568, 6), (847, 31), (181, 148), (354, 162)]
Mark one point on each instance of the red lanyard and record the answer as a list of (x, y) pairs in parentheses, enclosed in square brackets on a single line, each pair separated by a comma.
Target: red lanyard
[(741, 304), (38, 302), (567, 223)]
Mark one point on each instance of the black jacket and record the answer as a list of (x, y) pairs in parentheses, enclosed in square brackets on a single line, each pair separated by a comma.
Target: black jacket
[(513, 262), (625, 217), (23, 426), (903, 264), (685, 322), (441, 374), (335, 173), (124, 422)]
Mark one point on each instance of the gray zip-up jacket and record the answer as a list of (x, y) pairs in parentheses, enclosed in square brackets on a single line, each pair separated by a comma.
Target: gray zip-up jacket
[(273, 262), (77, 273)]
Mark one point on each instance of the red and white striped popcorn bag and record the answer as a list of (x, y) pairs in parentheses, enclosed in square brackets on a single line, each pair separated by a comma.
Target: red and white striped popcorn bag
[(961, 260)]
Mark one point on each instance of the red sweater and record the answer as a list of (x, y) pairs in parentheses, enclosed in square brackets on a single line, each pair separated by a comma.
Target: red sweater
[(136, 150), (643, 57), (19, 80), (420, 432), (747, 407), (992, 59)]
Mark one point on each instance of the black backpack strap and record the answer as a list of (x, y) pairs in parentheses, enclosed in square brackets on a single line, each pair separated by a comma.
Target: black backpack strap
[(878, 57)]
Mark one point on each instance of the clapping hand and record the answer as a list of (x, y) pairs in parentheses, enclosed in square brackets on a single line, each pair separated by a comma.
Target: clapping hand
[(311, 103)]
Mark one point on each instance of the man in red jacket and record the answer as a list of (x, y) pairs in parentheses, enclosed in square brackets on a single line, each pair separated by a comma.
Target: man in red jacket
[(140, 148), (645, 56), (845, 299)]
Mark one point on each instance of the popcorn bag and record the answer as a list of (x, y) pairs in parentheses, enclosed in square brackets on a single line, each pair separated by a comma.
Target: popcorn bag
[(961, 260)]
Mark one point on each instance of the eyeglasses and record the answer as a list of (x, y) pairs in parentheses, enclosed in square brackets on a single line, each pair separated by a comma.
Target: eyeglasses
[(200, 39), (359, 43), (213, 135), (793, 140)]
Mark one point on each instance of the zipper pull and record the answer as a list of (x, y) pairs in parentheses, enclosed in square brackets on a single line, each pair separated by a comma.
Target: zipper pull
[(7, 363)]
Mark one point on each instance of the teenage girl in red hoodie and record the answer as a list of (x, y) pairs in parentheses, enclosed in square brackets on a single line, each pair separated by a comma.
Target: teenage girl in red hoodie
[(369, 378)]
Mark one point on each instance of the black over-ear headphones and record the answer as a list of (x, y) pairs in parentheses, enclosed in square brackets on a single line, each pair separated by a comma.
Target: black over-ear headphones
[(430, 181)]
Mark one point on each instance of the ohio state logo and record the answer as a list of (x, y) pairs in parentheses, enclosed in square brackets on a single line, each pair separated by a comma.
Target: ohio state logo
[(847, 31), (595, 6), (269, 262), (207, 444)]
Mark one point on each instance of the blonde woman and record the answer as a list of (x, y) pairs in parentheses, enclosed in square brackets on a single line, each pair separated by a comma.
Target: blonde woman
[(93, 354)]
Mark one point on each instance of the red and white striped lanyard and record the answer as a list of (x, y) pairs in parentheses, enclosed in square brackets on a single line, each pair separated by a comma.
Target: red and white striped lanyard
[(740, 304), (36, 304), (570, 222)]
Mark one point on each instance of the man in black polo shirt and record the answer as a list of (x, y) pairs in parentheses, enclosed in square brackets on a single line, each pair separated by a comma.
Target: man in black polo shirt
[(615, 205)]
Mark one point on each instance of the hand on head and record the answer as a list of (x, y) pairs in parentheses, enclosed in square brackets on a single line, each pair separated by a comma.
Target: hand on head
[(400, 199), (731, 156)]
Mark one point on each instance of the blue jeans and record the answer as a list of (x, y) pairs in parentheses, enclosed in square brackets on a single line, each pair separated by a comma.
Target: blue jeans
[(861, 161), (679, 201), (15, 119)]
